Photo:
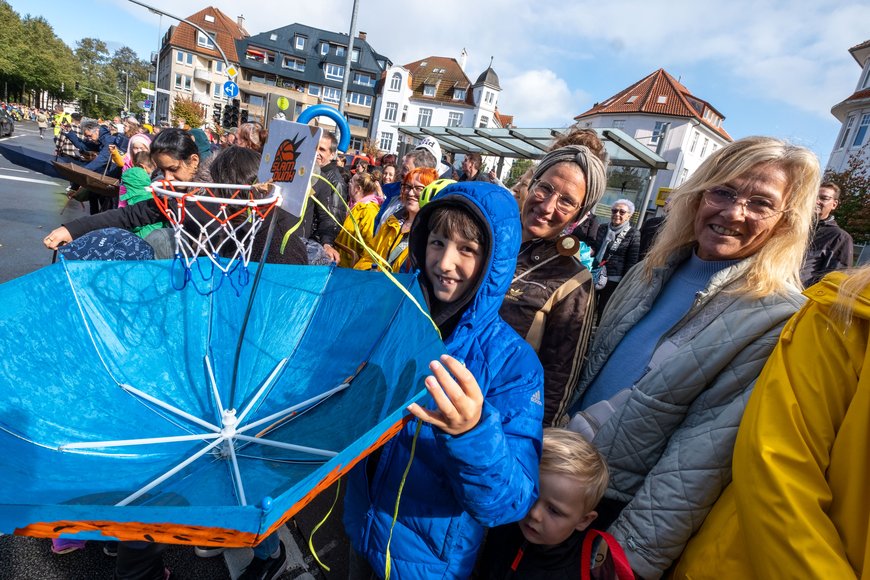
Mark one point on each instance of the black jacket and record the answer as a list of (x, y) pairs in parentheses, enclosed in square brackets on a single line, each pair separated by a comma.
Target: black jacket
[(648, 232), (830, 249), (620, 261), (318, 225)]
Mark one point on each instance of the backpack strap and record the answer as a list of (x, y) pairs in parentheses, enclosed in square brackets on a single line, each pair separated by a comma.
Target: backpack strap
[(620, 561)]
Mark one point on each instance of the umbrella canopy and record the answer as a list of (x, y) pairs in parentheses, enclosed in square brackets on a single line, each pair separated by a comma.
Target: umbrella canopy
[(91, 180), (115, 418), (29, 158)]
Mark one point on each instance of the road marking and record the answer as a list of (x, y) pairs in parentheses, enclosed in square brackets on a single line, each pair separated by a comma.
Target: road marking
[(18, 170), (11, 137), (29, 180)]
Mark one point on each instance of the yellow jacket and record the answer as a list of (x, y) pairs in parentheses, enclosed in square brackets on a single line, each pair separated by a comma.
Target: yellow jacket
[(387, 241), (799, 503), (350, 249)]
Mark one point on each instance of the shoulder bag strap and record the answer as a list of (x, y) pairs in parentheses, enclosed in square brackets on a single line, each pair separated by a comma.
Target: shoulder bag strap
[(620, 561)]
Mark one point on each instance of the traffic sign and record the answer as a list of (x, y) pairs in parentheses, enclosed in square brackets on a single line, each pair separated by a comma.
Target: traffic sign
[(149, 92), (231, 89), (146, 105), (232, 72), (283, 103)]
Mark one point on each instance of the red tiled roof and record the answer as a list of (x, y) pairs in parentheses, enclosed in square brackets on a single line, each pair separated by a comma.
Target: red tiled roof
[(224, 29), (658, 94), (423, 73), (858, 48), (865, 94), (504, 120)]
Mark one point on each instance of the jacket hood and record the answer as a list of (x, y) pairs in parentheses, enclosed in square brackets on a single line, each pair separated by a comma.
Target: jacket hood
[(827, 291), (497, 212)]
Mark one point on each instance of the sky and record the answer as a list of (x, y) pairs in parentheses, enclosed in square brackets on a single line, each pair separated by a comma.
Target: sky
[(771, 67)]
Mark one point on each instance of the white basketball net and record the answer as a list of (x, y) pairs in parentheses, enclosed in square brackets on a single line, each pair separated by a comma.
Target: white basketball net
[(215, 220)]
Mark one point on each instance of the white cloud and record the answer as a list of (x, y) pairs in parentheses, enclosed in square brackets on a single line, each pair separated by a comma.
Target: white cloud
[(539, 98)]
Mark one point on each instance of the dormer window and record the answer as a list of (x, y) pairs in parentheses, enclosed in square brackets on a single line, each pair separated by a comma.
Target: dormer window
[(631, 99), (354, 56), (340, 51), (458, 94), (428, 90), (299, 42), (324, 49), (203, 40)]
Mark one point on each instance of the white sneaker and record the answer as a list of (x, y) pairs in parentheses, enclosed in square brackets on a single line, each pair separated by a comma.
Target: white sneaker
[(207, 551)]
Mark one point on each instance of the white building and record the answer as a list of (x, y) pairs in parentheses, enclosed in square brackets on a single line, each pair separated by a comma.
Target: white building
[(662, 114), (433, 92), (192, 67), (854, 114)]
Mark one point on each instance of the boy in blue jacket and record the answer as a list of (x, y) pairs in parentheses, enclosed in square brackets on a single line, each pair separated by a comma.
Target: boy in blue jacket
[(476, 457)]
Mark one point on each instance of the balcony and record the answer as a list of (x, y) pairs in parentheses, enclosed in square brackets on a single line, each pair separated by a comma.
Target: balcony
[(202, 74)]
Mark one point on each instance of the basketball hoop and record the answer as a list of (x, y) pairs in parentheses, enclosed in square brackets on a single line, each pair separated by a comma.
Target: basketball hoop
[(216, 221)]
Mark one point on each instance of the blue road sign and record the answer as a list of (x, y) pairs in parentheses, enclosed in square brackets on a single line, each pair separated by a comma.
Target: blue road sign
[(146, 104), (231, 89)]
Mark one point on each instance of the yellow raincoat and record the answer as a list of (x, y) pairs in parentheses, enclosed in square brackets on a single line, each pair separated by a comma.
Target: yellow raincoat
[(799, 504), (388, 242), (364, 212)]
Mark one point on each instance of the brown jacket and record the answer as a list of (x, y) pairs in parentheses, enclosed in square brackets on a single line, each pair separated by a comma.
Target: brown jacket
[(550, 304)]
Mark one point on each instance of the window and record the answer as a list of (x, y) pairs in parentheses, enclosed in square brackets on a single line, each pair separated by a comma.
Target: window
[(314, 90), (694, 142), (386, 143), (359, 99), (704, 148), (395, 82), (333, 72), (331, 95), (428, 90), (355, 121), (458, 94), (846, 129), (424, 119), (354, 56), (454, 120), (662, 99), (217, 91), (273, 37), (658, 132), (356, 144), (619, 124), (203, 40), (299, 42), (256, 100), (294, 64), (363, 79), (404, 113), (862, 130), (182, 82), (340, 51), (484, 121), (631, 99), (390, 111), (183, 57), (209, 18), (219, 66), (324, 49), (489, 98)]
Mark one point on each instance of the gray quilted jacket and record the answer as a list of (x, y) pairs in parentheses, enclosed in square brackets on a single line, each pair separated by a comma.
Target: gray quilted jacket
[(669, 447)]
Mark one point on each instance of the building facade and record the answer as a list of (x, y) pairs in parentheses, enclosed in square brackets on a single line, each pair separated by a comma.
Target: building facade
[(306, 66), (189, 64), (662, 114), (854, 114), (433, 92)]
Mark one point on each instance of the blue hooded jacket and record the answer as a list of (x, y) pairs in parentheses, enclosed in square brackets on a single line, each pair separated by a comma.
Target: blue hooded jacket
[(457, 486)]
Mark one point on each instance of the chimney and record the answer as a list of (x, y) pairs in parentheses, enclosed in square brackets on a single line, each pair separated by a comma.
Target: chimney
[(240, 20), (362, 35), (463, 56)]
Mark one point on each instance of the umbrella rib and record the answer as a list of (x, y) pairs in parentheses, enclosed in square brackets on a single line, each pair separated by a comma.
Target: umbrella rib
[(214, 389), (134, 496), (294, 408), (237, 475), (130, 442), (289, 446), (267, 383), (170, 408)]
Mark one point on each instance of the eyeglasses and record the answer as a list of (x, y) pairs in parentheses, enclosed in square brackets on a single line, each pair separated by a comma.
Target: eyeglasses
[(825, 198), (417, 189), (754, 207), (619, 211), (544, 191)]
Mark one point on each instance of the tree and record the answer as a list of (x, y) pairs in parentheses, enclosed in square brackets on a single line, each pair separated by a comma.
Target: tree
[(189, 111), (519, 167), (853, 213), (131, 73)]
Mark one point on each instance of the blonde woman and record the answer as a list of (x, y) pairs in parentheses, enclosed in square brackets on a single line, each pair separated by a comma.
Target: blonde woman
[(684, 337), (798, 506), (364, 201)]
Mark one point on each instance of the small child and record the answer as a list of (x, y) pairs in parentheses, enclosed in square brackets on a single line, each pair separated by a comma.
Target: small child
[(475, 460), (136, 180), (547, 543)]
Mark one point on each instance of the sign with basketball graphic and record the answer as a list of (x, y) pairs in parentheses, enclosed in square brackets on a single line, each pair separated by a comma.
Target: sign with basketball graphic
[(288, 160)]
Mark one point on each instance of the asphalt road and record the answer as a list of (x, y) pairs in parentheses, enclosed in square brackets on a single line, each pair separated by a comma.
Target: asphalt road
[(30, 207)]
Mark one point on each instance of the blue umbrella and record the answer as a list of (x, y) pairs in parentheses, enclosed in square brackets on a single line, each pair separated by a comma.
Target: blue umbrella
[(115, 414)]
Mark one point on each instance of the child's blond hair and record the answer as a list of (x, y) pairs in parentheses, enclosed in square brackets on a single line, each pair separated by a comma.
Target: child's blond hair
[(568, 453)]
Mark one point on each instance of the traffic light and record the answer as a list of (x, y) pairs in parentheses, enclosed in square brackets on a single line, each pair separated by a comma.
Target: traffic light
[(225, 119), (244, 116), (234, 113), (216, 115)]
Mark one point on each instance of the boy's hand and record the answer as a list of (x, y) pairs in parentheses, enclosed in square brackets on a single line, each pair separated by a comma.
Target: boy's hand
[(459, 400)]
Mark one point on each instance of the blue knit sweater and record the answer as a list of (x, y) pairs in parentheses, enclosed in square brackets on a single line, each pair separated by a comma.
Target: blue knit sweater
[(629, 360)]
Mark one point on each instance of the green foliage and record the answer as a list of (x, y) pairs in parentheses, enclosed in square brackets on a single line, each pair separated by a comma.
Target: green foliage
[(853, 213), (187, 110), (519, 167)]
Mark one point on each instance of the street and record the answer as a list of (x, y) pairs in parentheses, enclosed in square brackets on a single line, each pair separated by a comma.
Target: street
[(31, 207)]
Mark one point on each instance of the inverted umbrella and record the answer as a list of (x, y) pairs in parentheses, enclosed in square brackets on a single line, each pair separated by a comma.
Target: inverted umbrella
[(98, 183), (115, 419)]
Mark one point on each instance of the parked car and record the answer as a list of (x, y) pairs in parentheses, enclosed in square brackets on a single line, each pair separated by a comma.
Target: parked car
[(7, 124)]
